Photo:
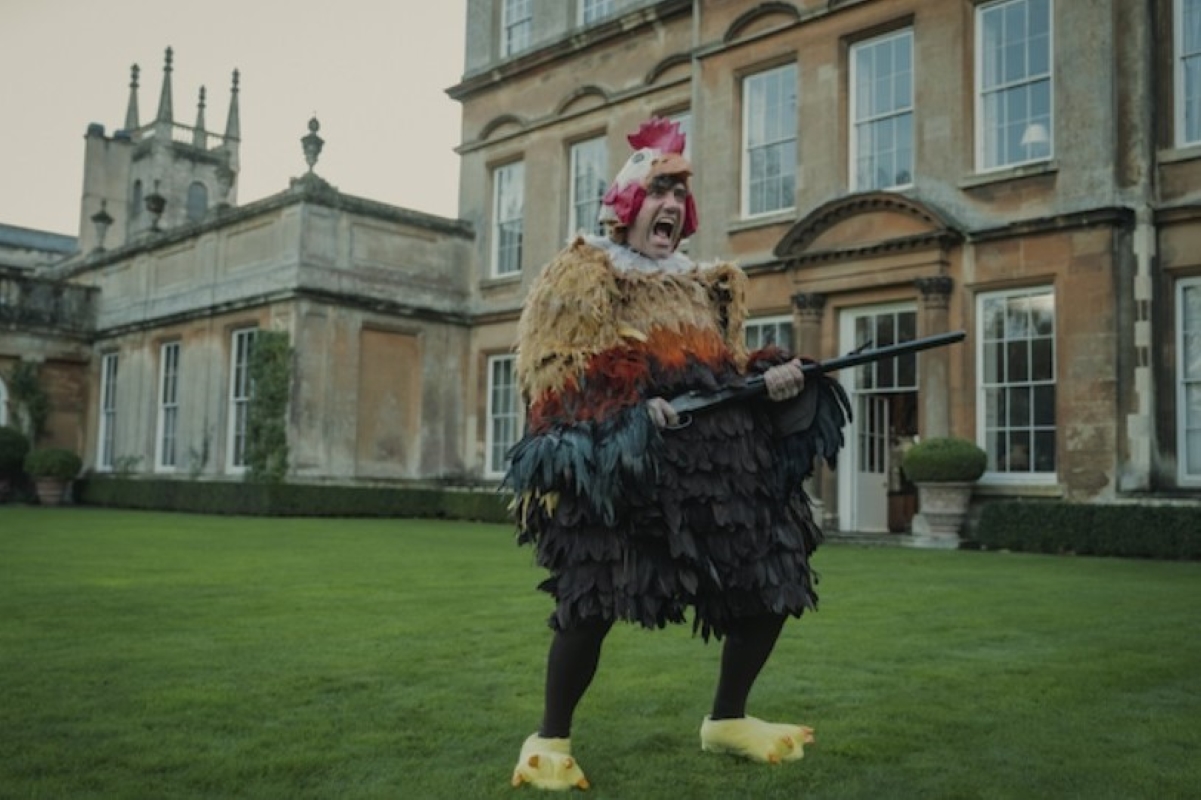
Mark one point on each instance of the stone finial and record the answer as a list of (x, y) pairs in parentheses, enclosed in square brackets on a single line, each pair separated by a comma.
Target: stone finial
[(166, 113), (102, 220), (155, 204), (312, 143), (198, 134)]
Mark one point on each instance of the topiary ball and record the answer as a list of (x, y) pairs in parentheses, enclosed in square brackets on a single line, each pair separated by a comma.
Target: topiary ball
[(944, 459), (53, 462)]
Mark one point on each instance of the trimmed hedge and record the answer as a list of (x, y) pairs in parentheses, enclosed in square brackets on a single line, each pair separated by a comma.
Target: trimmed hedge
[(292, 500), (1135, 531)]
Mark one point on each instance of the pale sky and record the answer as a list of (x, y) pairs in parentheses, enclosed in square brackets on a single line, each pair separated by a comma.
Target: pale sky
[(373, 71)]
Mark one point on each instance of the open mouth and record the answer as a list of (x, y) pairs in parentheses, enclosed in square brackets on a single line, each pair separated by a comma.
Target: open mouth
[(665, 228)]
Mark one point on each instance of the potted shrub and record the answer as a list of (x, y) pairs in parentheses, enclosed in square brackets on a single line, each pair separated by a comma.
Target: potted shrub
[(944, 469), (52, 468), (14, 446)]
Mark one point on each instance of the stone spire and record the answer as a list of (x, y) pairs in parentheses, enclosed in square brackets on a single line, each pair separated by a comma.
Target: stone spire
[(165, 111), (131, 111), (198, 135), (233, 125)]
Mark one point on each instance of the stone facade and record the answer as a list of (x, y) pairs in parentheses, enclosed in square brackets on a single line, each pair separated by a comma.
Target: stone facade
[(1081, 253), (1101, 223)]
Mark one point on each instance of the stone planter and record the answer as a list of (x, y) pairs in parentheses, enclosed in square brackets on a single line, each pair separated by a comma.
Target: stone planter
[(50, 491), (942, 509)]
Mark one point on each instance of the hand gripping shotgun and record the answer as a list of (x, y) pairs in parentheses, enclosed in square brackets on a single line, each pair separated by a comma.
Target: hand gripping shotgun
[(700, 400)]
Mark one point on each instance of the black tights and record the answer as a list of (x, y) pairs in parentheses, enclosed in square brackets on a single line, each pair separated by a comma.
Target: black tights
[(574, 655)]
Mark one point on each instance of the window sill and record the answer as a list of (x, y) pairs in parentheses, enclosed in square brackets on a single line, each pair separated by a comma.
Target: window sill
[(787, 215), (1051, 490), (499, 281), (1019, 172), (1173, 155)]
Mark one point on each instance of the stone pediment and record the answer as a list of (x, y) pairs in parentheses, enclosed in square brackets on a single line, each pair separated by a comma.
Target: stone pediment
[(865, 224)]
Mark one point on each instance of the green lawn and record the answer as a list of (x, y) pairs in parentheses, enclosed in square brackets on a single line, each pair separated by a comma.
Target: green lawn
[(152, 655)]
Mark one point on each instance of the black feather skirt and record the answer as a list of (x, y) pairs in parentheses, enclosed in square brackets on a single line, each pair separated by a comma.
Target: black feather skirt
[(711, 521)]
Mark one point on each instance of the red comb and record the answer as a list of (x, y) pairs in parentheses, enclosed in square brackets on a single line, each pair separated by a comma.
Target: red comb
[(659, 134)]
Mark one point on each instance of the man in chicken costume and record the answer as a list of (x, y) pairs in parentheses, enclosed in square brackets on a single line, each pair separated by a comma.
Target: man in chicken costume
[(637, 514)]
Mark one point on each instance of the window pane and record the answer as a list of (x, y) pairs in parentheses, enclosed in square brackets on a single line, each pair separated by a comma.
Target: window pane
[(168, 403), (1017, 452), (508, 208), (1044, 451), (1044, 405), (1016, 363), (769, 124), (882, 111), (1014, 66), (588, 183), (517, 25), (241, 390), (1019, 407), (1017, 380), (504, 411)]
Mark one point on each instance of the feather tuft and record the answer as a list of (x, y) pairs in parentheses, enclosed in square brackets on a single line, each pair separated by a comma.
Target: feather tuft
[(659, 134)]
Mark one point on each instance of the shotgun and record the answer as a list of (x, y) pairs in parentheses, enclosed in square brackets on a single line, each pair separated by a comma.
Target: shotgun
[(700, 400)]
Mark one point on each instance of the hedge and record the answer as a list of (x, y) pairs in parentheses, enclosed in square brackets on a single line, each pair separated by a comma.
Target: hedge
[(1134, 530), (293, 500)]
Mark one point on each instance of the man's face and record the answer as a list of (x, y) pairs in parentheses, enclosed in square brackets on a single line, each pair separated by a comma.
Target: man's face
[(656, 230)]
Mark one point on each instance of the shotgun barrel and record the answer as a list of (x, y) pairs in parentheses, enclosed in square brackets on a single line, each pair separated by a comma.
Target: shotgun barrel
[(699, 400)]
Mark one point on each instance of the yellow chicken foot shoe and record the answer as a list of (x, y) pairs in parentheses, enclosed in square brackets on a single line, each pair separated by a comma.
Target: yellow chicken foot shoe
[(547, 764), (770, 742)]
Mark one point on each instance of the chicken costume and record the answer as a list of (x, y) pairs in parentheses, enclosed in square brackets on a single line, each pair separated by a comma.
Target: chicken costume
[(646, 525)]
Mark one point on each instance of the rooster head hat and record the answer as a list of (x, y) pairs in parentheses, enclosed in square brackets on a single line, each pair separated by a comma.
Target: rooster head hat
[(658, 150)]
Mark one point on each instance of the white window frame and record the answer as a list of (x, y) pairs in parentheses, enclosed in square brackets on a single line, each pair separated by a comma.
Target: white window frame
[(881, 111), (1038, 131), (589, 167), (517, 22), (1188, 381), (240, 391), (754, 329), (984, 386), (505, 419), (3, 402), (1187, 59), (166, 434), (106, 417), (885, 377), (593, 11), (769, 125), (508, 209)]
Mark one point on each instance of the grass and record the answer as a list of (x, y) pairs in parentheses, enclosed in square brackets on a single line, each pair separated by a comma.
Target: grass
[(149, 655)]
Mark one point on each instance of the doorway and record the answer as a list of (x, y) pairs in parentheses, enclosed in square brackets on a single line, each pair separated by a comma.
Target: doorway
[(873, 494)]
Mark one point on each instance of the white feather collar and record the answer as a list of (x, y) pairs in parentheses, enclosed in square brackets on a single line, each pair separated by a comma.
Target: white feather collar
[(629, 260)]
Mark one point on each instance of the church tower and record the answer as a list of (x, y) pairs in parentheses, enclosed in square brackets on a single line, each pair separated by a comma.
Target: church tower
[(157, 176)]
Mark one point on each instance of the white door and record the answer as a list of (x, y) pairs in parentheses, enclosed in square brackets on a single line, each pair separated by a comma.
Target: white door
[(871, 464), (864, 465)]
